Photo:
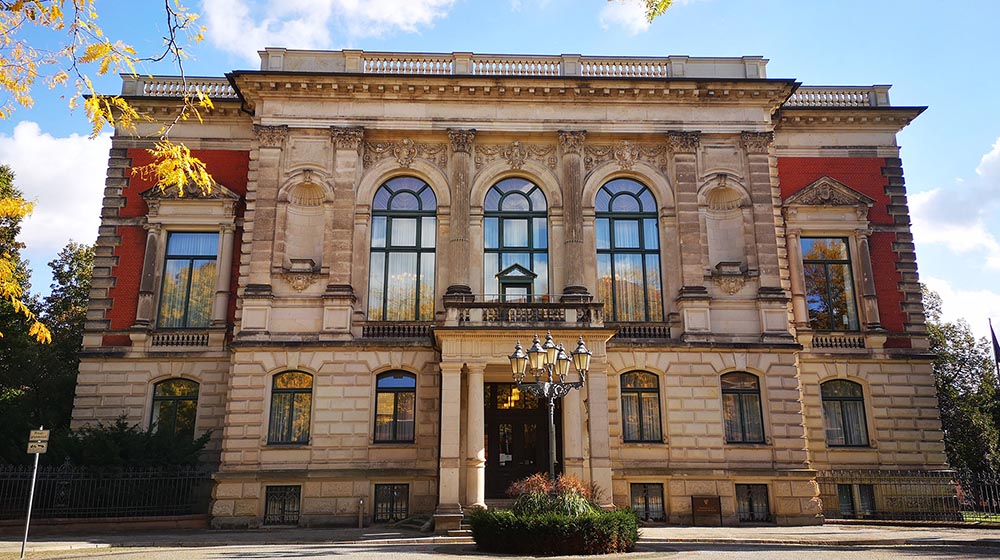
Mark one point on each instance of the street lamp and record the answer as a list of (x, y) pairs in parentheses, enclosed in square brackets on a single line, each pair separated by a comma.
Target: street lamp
[(549, 364)]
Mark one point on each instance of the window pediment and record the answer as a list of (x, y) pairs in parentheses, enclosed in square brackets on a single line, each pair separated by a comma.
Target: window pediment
[(827, 191), (217, 192)]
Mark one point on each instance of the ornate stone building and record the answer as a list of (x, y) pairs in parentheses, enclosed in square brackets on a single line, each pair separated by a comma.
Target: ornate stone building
[(734, 249)]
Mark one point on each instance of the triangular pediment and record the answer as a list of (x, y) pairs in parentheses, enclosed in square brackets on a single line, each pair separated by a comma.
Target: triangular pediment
[(516, 272), (192, 192), (827, 191)]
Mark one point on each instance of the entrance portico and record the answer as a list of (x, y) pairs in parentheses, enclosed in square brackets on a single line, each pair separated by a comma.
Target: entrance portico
[(510, 434)]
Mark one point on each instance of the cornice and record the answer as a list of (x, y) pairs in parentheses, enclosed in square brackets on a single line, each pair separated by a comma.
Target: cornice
[(255, 85), (891, 118)]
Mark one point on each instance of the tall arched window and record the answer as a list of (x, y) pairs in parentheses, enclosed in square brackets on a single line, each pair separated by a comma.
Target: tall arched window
[(844, 413), (628, 252), (175, 406), (741, 409), (641, 407), (401, 283), (516, 233), (291, 407), (395, 406)]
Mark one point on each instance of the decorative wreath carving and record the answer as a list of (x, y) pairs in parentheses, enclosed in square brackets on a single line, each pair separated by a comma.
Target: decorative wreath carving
[(405, 151), (516, 154)]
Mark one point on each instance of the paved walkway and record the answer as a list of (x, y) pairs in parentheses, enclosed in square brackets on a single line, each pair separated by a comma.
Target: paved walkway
[(819, 535)]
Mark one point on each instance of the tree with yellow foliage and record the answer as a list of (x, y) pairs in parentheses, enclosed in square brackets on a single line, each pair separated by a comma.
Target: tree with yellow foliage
[(85, 48)]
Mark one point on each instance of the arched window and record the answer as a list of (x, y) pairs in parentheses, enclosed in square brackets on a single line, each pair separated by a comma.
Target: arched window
[(641, 407), (401, 282), (395, 406), (844, 414), (628, 252), (515, 233), (175, 406), (741, 409), (291, 407)]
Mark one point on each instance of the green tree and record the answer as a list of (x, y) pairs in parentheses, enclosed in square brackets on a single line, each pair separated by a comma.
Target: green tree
[(37, 381), (654, 8), (965, 374)]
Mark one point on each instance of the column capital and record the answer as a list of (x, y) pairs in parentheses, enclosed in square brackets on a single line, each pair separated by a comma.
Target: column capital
[(572, 140), (270, 136), (461, 139), (683, 141), (757, 142), (347, 138)]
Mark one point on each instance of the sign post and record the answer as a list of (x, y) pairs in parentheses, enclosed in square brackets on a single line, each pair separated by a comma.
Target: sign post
[(38, 443)]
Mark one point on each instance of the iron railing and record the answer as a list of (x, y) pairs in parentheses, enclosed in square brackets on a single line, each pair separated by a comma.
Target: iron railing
[(910, 495), (89, 492)]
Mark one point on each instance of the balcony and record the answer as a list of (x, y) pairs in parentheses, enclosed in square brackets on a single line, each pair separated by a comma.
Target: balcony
[(842, 342), (489, 310)]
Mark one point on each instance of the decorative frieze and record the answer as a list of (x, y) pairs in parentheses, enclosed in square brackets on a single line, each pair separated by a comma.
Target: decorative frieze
[(683, 142), (572, 140), (404, 151), (461, 140), (270, 136), (516, 154), (757, 142), (347, 138), (625, 153)]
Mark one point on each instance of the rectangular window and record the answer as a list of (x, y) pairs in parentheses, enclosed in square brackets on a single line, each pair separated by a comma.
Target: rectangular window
[(281, 505), (751, 503), (856, 501), (647, 502), (392, 502), (829, 284), (188, 280)]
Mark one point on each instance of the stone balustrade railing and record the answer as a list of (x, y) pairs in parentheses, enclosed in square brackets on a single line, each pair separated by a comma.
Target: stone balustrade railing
[(822, 96), (542, 311), (173, 86)]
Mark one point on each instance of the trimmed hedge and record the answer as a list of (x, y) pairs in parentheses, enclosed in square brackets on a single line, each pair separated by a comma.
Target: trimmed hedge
[(552, 534)]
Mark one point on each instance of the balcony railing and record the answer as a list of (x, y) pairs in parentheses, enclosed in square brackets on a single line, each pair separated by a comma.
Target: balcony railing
[(173, 86), (396, 330), (491, 310), (179, 339)]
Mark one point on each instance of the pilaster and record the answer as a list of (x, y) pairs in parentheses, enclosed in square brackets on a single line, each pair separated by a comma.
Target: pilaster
[(448, 514), (571, 177), (460, 169)]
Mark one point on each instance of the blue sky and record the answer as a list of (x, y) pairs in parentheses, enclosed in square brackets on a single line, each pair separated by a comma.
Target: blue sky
[(941, 57)]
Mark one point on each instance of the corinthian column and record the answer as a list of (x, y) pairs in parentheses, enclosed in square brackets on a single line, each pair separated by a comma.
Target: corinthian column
[(460, 169), (571, 176)]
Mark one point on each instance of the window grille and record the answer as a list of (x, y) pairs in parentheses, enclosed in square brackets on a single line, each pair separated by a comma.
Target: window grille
[(647, 502), (392, 502), (282, 505), (751, 503)]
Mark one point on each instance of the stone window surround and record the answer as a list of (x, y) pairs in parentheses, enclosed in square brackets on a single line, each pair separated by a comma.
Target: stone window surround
[(147, 412), (373, 395), (764, 411), (213, 214)]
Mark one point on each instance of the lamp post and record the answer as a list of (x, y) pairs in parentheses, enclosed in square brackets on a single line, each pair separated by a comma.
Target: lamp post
[(549, 364)]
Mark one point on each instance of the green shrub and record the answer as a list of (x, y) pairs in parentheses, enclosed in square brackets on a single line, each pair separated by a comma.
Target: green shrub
[(551, 534)]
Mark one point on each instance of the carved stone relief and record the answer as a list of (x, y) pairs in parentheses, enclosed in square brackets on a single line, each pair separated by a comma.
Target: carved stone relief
[(516, 154), (625, 153), (405, 151), (300, 280), (572, 140)]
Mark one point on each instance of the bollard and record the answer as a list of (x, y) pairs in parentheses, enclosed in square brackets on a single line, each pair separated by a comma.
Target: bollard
[(361, 513)]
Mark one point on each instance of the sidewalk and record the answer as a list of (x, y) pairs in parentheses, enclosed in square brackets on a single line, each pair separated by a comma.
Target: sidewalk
[(818, 535)]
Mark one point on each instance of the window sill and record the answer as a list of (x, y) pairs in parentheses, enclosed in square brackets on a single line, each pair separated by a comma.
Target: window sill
[(747, 444), (644, 443), (286, 444)]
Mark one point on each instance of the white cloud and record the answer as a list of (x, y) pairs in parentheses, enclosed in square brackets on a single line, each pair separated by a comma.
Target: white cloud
[(245, 26), (960, 216), (975, 306), (627, 14), (65, 179)]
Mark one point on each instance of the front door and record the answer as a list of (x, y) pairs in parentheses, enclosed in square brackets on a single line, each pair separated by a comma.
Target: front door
[(517, 438)]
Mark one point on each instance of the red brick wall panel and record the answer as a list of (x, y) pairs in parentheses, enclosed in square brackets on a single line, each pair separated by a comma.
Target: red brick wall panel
[(865, 176)]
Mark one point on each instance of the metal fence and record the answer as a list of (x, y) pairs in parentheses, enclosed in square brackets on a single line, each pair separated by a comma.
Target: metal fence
[(910, 495), (88, 492)]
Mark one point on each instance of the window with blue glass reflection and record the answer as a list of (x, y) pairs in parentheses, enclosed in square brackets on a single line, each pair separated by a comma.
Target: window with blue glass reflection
[(401, 281), (515, 232), (628, 252)]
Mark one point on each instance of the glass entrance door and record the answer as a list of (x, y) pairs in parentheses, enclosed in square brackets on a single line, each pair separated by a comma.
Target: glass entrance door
[(516, 437)]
